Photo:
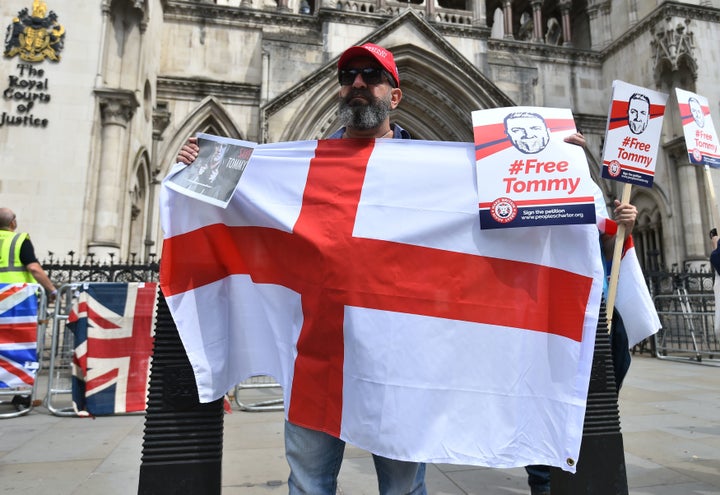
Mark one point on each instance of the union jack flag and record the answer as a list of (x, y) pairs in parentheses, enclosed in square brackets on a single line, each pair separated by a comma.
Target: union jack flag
[(18, 335), (113, 326)]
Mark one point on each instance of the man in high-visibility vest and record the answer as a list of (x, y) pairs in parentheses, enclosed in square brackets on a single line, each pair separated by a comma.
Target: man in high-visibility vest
[(18, 264)]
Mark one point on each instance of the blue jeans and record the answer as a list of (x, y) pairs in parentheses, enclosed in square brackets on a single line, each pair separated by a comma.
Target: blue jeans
[(538, 477), (314, 458)]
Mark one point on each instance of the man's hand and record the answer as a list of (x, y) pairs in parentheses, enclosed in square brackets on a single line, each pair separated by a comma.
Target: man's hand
[(625, 214), (576, 138), (189, 152)]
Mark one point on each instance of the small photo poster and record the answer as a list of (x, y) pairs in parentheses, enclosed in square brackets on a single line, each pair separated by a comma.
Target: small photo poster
[(217, 170), (527, 175), (632, 135), (698, 129)]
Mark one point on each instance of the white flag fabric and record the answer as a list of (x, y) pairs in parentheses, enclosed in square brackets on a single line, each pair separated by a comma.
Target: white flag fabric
[(633, 300), (355, 272)]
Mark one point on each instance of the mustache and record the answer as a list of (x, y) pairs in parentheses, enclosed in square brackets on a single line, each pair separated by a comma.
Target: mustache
[(361, 92)]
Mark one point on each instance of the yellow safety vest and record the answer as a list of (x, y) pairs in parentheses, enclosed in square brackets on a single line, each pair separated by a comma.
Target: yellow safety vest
[(11, 268)]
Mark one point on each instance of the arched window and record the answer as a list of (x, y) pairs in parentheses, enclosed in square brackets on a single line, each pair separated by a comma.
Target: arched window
[(139, 194), (648, 239)]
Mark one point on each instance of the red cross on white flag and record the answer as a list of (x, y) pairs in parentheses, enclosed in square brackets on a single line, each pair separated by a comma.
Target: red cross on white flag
[(355, 272)]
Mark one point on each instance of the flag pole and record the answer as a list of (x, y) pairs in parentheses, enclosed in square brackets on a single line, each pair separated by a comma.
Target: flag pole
[(713, 201), (617, 255)]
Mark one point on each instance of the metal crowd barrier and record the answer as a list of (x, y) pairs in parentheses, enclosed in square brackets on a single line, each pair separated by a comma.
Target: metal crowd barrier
[(11, 393), (688, 327), (267, 386), (62, 346)]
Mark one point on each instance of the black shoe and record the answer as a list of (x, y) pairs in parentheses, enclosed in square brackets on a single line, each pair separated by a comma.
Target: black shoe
[(539, 491), (21, 402)]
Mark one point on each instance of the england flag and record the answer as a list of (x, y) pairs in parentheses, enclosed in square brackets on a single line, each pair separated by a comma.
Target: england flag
[(355, 272)]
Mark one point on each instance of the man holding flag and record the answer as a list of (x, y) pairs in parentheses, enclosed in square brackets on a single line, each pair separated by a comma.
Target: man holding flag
[(369, 90)]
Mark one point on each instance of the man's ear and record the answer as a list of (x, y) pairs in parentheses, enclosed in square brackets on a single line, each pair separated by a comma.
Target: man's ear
[(396, 96)]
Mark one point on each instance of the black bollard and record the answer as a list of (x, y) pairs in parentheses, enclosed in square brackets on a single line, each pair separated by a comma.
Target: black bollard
[(182, 442), (601, 466)]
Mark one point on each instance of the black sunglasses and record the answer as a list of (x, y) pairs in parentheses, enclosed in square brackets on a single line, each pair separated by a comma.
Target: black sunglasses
[(370, 75)]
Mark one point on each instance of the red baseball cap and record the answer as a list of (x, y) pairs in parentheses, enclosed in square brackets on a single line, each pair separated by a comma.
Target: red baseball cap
[(383, 57)]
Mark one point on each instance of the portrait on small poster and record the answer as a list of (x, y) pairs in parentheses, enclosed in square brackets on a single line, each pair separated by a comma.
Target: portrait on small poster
[(217, 170), (527, 175), (698, 129), (632, 135)]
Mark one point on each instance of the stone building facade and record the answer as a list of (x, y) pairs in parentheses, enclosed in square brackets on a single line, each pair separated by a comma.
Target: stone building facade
[(91, 125)]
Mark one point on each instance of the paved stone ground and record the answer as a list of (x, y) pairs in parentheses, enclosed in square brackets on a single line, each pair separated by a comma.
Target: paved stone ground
[(669, 413)]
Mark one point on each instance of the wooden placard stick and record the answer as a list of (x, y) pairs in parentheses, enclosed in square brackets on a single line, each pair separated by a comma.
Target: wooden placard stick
[(617, 256), (713, 201)]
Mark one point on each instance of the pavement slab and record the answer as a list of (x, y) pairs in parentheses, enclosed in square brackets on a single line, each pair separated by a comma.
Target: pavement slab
[(669, 414)]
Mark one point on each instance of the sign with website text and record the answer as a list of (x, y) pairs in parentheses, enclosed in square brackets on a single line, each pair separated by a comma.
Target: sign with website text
[(527, 175)]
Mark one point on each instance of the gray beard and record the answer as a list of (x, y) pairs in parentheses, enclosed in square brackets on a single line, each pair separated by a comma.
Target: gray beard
[(363, 117)]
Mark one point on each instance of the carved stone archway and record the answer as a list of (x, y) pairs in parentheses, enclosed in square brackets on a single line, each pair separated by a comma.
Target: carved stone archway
[(440, 87)]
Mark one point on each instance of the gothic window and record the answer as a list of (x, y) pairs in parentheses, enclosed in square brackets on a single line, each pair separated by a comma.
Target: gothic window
[(307, 7), (648, 239), (138, 210), (494, 9)]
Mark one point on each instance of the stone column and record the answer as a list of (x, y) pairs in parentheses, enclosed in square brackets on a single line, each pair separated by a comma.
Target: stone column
[(479, 14), (537, 21), (282, 6), (430, 10), (265, 88), (160, 119), (381, 6), (102, 47), (566, 27), (691, 214), (595, 27), (657, 241), (691, 210), (507, 11), (116, 108), (605, 11)]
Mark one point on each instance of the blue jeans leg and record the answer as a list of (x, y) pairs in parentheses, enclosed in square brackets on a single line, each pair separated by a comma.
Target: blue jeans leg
[(538, 477), (399, 477), (314, 458)]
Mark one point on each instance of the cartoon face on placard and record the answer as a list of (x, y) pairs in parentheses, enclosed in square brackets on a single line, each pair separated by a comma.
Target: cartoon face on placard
[(700, 137), (632, 136), (527, 175)]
